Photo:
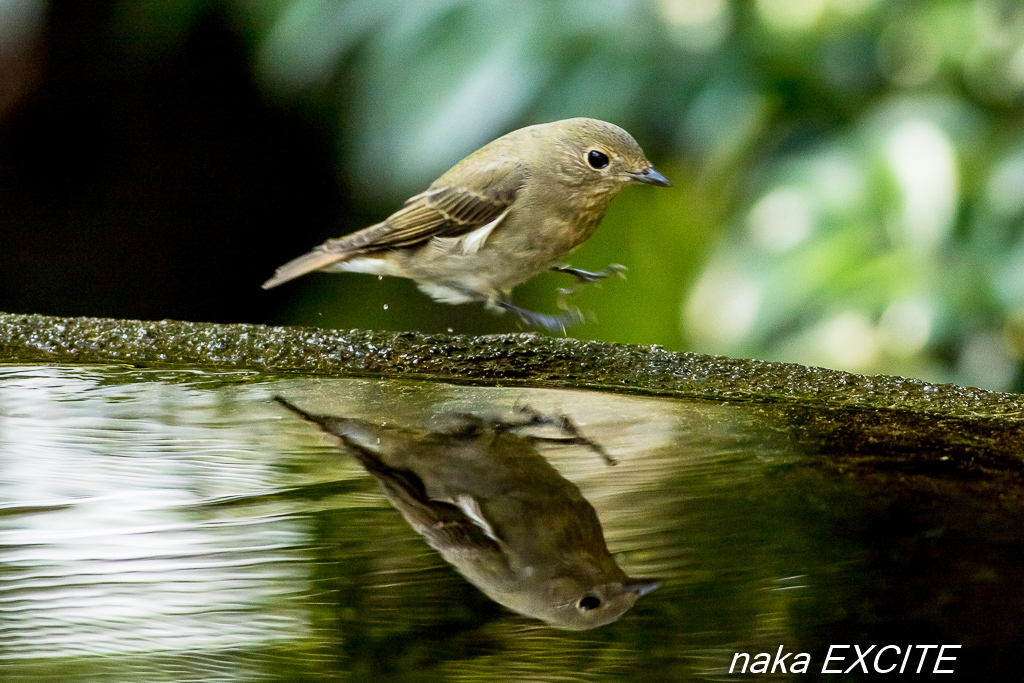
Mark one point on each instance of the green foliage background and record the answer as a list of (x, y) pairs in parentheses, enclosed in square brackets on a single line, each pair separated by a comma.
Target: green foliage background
[(848, 174)]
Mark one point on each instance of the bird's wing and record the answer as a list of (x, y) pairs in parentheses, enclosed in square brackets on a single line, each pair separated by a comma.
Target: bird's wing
[(443, 210), (445, 526), (446, 209)]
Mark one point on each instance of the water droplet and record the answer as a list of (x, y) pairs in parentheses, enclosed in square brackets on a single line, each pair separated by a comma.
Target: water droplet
[(385, 307), (380, 277), (450, 329)]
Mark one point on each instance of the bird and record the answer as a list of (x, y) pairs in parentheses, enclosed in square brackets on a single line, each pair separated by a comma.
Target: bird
[(514, 208), (479, 492)]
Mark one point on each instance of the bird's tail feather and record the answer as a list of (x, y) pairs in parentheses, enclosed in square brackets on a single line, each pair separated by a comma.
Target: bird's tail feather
[(307, 263), (331, 251)]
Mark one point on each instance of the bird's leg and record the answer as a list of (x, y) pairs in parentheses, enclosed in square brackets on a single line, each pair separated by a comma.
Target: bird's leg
[(584, 277), (534, 418), (499, 301), (554, 323), (469, 426)]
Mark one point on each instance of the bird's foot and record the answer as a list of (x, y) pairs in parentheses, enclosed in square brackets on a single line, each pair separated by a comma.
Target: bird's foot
[(534, 418), (470, 426), (585, 276), (554, 323)]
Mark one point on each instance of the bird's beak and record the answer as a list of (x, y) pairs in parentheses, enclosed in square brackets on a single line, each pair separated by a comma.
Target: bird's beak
[(651, 177), (641, 586)]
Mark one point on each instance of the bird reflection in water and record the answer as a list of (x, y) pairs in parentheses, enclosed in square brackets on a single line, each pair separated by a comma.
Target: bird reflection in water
[(480, 493)]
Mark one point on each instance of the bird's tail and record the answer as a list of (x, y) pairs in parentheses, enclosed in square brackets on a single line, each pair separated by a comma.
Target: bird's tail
[(307, 263), (330, 252)]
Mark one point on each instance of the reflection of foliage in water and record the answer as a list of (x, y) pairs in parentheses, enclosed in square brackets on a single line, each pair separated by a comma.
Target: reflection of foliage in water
[(162, 525), (848, 172)]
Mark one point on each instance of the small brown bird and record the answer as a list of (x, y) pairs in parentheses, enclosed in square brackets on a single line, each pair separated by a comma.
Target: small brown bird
[(479, 492), (510, 210)]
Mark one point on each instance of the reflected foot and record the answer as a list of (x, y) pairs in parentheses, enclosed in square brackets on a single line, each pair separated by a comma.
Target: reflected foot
[(534, 418), (470, 426)]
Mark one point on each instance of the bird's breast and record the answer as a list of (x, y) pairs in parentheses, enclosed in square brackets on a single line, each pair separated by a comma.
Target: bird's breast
[(540, 230)]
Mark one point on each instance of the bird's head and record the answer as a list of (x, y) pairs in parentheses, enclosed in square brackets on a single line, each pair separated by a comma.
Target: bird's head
[(598, 153), (578, 606)]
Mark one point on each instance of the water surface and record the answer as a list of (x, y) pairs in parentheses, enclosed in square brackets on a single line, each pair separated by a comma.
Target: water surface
[(163, 525)]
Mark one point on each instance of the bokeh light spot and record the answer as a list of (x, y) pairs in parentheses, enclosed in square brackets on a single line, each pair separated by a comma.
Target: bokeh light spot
[(724, 305), (848, 341), (791, 14), (781, 220), (905, 327), (922, 160)]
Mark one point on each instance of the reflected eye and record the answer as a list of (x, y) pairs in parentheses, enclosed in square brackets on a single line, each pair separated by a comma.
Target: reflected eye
[(597, 159), (588, 602)]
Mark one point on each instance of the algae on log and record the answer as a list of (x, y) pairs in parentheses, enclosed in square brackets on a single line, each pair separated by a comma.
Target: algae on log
[(870, 421)]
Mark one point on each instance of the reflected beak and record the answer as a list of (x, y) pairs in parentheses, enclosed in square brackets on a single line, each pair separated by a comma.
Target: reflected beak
[(641, 586), (651, 177)]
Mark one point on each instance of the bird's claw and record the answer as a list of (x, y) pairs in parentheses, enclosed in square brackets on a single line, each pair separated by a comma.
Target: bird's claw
[(565, 424), (562, 300)]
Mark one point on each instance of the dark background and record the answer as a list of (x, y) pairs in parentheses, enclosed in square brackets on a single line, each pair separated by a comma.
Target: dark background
[(162, 188)]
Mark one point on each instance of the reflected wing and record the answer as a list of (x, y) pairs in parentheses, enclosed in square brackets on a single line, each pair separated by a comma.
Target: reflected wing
[(444, 525)]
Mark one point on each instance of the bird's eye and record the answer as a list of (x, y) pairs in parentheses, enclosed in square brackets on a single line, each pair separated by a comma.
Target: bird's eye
[(597, 159), (588, 602)]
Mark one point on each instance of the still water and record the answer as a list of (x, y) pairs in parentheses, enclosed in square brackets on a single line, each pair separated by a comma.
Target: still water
[(160, 525)]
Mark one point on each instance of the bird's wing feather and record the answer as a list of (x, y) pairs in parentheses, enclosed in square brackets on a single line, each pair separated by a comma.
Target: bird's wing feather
[(445, 526), (442, 211), (446, 209)]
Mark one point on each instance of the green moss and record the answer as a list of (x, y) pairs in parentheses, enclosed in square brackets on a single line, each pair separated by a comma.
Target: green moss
[(836, 414)]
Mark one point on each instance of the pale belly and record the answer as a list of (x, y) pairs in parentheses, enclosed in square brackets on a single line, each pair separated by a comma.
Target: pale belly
[(445, 271), (481, 266)]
